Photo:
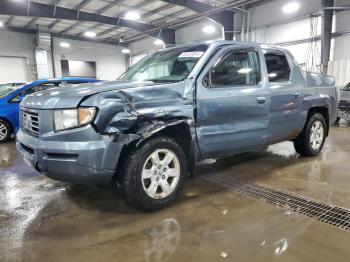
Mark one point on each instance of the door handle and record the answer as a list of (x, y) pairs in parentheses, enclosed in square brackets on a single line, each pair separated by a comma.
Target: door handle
[(261, 100)]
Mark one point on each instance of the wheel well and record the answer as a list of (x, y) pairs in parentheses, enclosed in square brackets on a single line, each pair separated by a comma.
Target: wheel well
[(180, 132), (8, 122), (323, 111)]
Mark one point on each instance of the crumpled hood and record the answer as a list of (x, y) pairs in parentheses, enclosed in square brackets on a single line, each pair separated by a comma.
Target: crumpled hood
[(70, 97)]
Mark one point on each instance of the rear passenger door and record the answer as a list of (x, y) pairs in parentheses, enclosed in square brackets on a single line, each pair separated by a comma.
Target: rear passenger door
[(285, 91), (232, 103)]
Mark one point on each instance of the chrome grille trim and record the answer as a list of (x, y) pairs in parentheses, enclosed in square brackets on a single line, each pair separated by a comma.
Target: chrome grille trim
[(30, 121)]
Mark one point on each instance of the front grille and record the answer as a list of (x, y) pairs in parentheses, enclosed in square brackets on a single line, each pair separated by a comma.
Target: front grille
[(30, 122), (324, 212)]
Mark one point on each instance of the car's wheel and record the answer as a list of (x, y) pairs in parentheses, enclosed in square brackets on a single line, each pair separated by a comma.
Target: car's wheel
[(153, 175), (311, 140), (5, 131)]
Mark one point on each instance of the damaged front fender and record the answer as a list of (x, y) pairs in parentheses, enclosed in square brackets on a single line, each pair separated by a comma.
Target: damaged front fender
[(141, 109)]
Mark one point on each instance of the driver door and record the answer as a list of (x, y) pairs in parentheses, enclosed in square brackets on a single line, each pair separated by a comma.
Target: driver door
[(232, 103)]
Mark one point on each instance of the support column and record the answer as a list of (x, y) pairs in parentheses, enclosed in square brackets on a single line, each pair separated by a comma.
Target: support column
[(327, 22), (166, 35), (226, 19), (43, 53)]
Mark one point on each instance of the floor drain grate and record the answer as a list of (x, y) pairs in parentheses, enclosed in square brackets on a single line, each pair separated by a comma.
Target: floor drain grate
[(333, 215)]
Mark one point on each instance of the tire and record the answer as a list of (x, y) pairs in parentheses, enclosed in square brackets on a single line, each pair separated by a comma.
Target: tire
[(148, 183), (311, 140), (5, 131)]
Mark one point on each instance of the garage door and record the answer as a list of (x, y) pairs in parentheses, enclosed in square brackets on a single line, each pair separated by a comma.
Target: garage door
[(13, 69)]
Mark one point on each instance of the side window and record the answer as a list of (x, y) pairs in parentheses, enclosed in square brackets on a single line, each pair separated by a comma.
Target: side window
[(278, 68), (240, 68), (40, 87)]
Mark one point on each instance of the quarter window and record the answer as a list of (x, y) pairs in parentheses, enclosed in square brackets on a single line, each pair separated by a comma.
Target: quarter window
[(240, 68), (277, 67)]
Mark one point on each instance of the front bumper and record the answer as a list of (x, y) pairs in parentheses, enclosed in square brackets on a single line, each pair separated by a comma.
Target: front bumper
[(84, 162)]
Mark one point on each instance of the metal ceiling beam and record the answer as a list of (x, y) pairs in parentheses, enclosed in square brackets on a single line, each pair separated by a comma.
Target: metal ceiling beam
[(82, 4), (69, 28), (90, 29), (157, 11), (47, 11), (54, 23), (9, 20), (31, 22), (108, 6), (57, 35), (107, 31), (180, 22)]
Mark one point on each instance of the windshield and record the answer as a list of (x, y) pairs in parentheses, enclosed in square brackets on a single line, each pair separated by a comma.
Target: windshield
[(347, 87), (166, 66), (5, 89)]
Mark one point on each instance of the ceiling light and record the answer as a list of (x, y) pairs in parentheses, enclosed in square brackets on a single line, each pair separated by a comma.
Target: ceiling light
[(126, 51), (90, 34), (1, 23), (291, 7), (132, 15), (209, 29), (65, 44), (158, 42)]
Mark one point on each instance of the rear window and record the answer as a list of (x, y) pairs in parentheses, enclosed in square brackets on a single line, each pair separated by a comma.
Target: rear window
[(278, 68)]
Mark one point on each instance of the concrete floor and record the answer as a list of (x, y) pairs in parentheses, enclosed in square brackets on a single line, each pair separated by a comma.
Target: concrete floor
[(44, 220)]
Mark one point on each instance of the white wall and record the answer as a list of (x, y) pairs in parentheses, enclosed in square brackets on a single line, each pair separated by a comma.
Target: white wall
[(110, 62), (19, 45), (187, 34), (270, 25), (272, 12), (143, 46), (193, 32)]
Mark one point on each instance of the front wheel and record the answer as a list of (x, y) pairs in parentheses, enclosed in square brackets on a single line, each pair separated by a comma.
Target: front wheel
[(5, 131), (311, 140), (154, 174)]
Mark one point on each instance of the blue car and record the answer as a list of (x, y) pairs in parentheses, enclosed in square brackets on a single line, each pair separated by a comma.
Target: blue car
[(12, 94)]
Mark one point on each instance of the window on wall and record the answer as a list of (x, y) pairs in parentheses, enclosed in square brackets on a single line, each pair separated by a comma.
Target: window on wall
[(277, 67), (239, 68)]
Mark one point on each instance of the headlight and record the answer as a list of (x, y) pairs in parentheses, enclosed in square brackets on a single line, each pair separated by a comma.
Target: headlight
[(71, 118)]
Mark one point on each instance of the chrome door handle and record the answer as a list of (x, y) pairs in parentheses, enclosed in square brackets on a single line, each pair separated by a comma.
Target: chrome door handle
[(261, 100)]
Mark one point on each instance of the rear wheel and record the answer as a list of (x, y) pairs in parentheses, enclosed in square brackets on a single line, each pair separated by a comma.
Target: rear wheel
[(5, 131), (311, 140), (154, 174)]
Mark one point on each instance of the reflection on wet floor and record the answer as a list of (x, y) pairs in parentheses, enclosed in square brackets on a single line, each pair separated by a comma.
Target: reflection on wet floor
[(44, 220)]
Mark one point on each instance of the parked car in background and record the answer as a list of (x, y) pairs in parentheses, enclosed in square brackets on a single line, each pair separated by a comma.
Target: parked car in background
[(344, 104), (11, 94), (172, 109), (4, 86)]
